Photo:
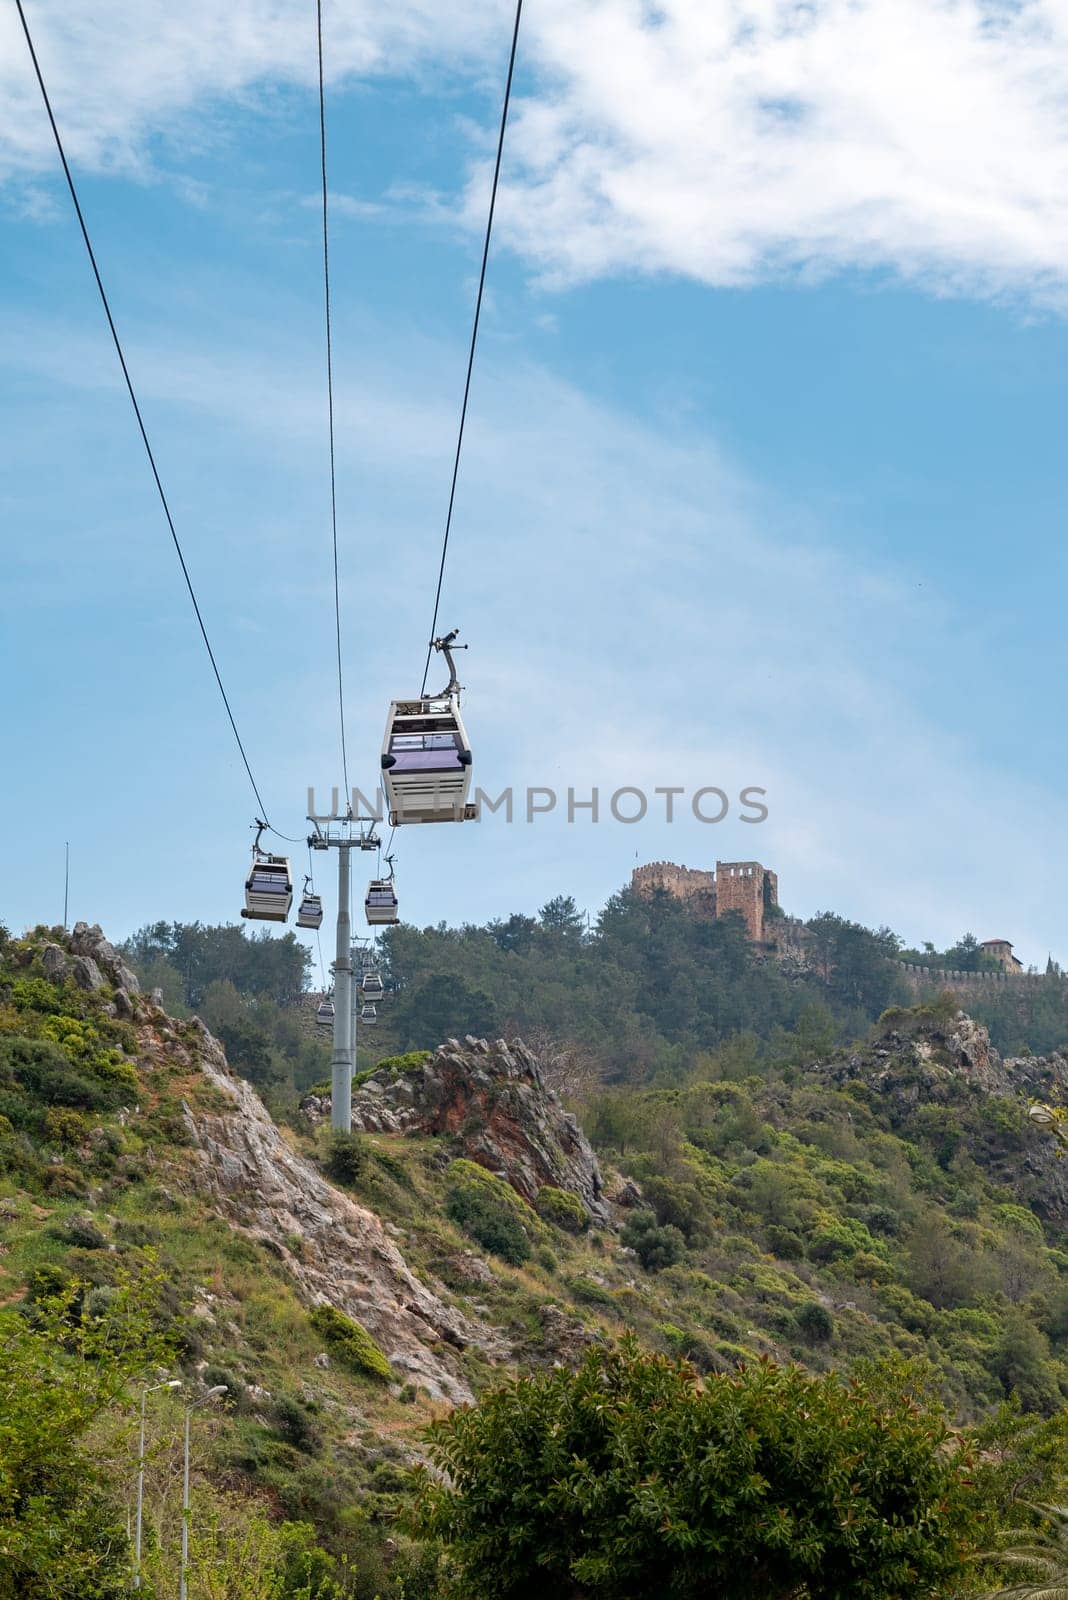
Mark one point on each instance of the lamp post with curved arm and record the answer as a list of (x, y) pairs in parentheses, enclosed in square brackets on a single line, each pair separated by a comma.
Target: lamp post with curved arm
[(167, 1383), (210, 1394)]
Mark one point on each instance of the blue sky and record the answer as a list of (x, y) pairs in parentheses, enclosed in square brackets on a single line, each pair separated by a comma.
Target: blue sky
[(763, 478)]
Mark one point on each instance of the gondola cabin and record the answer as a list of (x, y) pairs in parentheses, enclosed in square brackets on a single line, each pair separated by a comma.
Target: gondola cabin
[(380, 904), (426, 761), (324, 1014), (371, 988), (310, 911), (268, 889), (368, 1014)]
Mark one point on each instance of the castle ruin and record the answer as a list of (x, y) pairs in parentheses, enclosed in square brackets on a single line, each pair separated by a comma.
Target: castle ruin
[(742, 886)]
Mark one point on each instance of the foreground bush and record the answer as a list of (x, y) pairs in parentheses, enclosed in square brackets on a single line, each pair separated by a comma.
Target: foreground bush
[(632, 1478)]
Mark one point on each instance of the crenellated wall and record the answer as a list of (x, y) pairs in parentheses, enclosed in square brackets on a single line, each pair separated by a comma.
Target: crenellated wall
[(921, 980)]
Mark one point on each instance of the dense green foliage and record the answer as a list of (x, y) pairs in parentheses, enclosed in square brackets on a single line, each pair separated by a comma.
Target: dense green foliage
[(185, 958), (651, 986), (630, 1478), (61, 1370), (907, 1211)]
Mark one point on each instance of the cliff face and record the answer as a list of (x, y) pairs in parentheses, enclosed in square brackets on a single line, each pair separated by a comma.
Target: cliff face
[(344, 1256), (334, 1249), (492, 1102)]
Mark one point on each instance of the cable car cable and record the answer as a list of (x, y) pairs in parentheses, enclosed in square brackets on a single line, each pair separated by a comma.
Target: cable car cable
[(330, 389), (136, 407), (474, 334)]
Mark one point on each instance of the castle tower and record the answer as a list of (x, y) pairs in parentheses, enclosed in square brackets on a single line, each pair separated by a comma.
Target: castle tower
[(749, 888)]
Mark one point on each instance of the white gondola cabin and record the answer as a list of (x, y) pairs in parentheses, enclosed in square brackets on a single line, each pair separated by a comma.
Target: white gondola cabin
[(426, 754), (324, 1014), (310, 910), (371, 988), (268, 888), (380, 903), (368, 1014), (426, 761)]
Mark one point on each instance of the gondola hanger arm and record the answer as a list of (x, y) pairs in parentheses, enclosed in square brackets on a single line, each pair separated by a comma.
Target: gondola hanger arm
[(446, 645)]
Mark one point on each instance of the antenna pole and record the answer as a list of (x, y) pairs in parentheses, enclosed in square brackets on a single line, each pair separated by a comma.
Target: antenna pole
[(66, 886)]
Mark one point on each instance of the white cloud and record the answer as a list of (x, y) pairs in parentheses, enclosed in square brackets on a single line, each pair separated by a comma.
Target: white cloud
[(729, 140), (123, 72), (725, 140)]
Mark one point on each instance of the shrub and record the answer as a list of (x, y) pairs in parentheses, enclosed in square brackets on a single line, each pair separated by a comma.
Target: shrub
[(345, 1158), (563, 1209), (767, 1481), (113, 1069), (42, 1067), (590, 1292), (46, 1282), (411, 1059), (212, 1376), (36, 994), (291, 1421), (350, 1343), (61, 1179), (62, 1125), (655, 1247), (814, 1322), (82, 1232), (784, 1243), (489, 1210)]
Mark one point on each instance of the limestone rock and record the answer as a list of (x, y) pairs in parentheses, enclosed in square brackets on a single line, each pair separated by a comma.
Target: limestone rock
[(492, 1099), (89, 943), (56, 963), (86, 973), (347, 1258)]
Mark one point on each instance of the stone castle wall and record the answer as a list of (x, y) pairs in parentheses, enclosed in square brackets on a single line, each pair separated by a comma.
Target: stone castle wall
[(685, 883), (921, 980), (742, 886)]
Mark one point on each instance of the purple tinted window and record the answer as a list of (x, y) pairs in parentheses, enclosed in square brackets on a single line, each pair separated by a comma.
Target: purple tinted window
[(426, 760)]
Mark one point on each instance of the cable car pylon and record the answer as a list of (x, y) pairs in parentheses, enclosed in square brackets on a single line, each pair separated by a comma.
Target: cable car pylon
[(343, 839)]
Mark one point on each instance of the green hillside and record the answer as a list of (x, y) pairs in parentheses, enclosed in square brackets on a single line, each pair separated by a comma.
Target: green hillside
[(770, 1194)]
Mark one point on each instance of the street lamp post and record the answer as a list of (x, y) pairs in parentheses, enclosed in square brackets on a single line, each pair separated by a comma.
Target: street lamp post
[(211, 1394), (169, 1383)]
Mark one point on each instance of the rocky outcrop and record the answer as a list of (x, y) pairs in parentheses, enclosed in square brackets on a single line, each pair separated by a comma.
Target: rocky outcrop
[(920, 1060), (335, 1250), (89, 942), (493, 1102)]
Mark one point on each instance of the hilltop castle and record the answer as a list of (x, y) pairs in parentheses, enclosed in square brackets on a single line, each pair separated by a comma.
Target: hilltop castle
[(743, 886), (753, 890)]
